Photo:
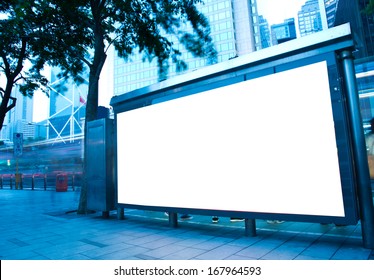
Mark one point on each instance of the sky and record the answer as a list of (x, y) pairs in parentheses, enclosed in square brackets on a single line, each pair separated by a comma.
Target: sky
[(276, 11)]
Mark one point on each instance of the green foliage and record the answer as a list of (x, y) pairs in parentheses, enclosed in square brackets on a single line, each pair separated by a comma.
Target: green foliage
[(20, 24), (69, 34), (18, 30), (153, 27), (75, 36), (369, 9), (33, 31), (150, 27)]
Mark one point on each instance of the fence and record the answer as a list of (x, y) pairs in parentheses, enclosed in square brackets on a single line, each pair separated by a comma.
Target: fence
[(41, 181)]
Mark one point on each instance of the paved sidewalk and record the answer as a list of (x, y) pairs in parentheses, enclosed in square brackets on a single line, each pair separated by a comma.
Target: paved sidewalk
[(42, 225)]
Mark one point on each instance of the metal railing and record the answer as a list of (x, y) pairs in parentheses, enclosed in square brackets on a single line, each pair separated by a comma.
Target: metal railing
[(41, 181)]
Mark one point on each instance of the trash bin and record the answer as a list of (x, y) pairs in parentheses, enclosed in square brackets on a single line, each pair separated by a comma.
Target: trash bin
[(61, 182), (18, 179)]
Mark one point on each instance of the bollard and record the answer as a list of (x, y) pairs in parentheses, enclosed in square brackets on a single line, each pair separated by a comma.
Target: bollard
[(120, 213), (250, 227), (173, 219)]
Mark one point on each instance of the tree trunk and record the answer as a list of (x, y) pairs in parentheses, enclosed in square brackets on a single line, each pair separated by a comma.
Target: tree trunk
[(91, 108), (11, 79), (4, 108), (91, 111)]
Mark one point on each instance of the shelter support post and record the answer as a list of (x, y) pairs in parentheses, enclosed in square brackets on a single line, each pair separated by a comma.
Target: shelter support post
[(120, 213), (365, 199), (173, 219), (250, 227)]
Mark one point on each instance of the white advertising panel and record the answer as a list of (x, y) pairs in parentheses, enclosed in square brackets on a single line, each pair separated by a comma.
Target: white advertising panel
[(263, 145)]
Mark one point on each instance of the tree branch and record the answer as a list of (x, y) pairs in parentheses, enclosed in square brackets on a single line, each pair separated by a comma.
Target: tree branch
[(20, 58), (111, 43), (11, 106), (101, 5), (7, 65), (89, 64), (19, 78)]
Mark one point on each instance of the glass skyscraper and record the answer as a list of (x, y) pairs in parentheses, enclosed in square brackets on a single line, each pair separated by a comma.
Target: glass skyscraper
[(283, 32), (67, 106), (310, 18), (264, 32), (331, 6), (235, 29)]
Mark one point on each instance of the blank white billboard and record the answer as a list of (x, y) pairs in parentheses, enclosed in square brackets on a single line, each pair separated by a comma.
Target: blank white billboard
[(264, 145)]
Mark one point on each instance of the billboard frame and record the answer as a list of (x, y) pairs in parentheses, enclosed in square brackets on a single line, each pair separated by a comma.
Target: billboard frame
[(324, 46)]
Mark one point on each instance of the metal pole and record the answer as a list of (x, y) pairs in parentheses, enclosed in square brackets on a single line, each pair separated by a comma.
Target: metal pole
[(250, 227), (173, 219), (16, 175), (120, 213), (365, 199)]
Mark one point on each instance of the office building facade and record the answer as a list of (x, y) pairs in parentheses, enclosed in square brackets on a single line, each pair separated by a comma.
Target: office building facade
[(309, 18), (330, 7), (235, 29), (19, 119), (342, 11), (264, 32), (283, 32), (67, 107)]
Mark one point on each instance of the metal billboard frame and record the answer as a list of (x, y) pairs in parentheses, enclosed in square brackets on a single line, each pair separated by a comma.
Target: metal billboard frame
[(335, 46)]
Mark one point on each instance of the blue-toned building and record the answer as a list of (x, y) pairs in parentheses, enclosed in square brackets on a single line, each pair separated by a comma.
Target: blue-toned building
[(235, 29), (265, 33), (283, 32), (309, 18)]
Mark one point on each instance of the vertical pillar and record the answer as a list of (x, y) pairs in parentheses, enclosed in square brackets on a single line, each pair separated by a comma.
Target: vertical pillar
[(18, 180), (120, 213), (72, 181), (173, 219), (105, 214), (250, 227), (359, 151)]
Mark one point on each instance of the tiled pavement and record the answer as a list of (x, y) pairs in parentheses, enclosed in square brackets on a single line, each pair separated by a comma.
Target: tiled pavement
[(41, 225)]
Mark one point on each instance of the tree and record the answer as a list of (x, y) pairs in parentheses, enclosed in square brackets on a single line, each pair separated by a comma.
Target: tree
[(18, 29), (135, 25), (30, 31), (369, 9)]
